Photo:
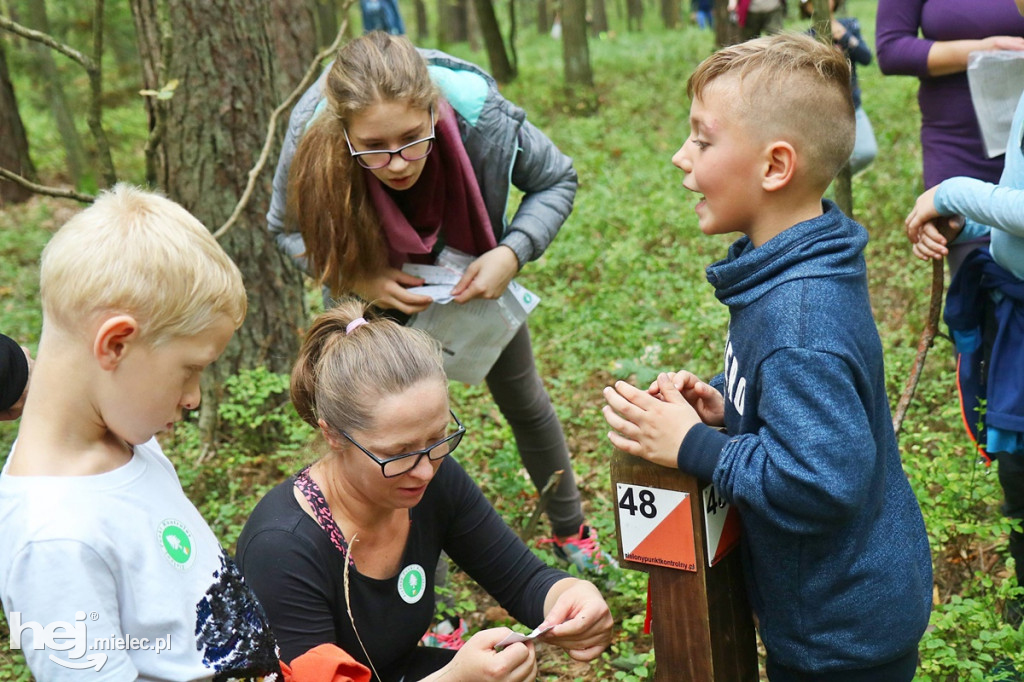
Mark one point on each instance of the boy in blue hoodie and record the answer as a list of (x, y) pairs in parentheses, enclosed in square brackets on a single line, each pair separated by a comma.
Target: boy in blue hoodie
[(834, 545)]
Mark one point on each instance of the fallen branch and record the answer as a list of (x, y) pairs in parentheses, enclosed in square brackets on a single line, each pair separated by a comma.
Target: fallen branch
[(311, 74), (48, 191)]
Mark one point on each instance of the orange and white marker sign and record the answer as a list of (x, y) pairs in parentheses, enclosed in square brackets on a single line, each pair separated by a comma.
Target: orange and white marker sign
[(656, 526), (721, 525)]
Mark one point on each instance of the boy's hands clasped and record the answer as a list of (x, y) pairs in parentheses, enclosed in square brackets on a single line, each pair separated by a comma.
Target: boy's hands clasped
[(652, 424)]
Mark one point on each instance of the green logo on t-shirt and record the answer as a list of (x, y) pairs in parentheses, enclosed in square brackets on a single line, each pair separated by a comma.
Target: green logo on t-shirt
[(412, 582), (177, 543)]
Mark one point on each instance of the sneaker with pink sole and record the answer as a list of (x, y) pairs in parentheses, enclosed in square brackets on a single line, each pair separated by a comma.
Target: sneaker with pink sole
[(582, 551), (446, 635)]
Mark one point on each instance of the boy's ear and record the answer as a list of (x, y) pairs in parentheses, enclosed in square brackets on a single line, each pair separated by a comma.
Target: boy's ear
[(113, 339), (780, 165)]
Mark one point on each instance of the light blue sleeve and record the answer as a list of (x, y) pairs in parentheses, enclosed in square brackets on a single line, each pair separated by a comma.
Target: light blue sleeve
[(983, 204)]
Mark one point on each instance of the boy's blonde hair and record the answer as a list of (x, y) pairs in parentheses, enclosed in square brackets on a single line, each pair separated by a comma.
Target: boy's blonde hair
[(139, 253), (790, 87)]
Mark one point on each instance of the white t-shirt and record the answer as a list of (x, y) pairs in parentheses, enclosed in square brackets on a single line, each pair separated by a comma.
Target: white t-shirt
[(119, 571)]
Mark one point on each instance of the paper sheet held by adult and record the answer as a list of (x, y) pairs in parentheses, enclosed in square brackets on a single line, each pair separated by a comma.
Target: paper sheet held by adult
[(472, 334)]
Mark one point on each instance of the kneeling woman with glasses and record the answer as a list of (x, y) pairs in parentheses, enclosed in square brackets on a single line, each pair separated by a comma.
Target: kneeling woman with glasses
[(343, 553), (396, 153)]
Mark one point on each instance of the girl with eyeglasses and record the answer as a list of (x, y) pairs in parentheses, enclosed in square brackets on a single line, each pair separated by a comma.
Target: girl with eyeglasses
[(343, 552), (397, 152)]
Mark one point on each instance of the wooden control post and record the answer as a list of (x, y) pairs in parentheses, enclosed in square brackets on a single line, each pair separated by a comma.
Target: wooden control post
[(701, 620)]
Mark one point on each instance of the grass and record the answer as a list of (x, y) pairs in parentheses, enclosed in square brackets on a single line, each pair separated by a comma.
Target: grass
[(623, 296)]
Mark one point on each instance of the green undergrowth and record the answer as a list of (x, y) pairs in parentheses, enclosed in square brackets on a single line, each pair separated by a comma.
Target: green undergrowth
[(623, 297)]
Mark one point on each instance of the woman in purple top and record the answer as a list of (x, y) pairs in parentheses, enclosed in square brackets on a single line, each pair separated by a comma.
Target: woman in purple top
[(950, 29)]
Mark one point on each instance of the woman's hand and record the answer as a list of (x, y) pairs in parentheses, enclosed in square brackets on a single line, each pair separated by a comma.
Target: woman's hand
[(838, 30), (583, 623), (389, 290), (488, 276), (477, 661), (950, 56), (1015, 43)]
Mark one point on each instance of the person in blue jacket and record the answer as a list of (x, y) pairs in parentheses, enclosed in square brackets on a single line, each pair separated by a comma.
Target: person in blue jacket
[(835, 551), (395, 153), (382, 15), (703, 13)]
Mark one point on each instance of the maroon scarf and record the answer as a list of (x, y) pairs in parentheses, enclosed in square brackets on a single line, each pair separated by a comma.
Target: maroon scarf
[(445, 200)]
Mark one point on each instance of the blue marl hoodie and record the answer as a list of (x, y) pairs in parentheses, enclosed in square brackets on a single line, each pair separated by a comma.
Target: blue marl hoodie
[(834, 545)]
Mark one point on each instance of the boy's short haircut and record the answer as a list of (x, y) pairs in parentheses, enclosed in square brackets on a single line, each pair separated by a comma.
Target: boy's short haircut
[(791, 87), (139, 253)]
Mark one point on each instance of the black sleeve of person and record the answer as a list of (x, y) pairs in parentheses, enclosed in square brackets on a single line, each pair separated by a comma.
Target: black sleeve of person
[(13, 372)]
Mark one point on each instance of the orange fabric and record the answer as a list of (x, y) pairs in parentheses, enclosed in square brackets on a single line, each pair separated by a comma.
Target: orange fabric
[(963, 414), (325, 663)]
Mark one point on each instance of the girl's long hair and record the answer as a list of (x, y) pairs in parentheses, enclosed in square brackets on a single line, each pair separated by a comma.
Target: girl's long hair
[(327, 195)]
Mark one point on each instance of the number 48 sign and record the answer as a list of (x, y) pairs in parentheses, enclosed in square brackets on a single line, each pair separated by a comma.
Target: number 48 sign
[(721, 525), (656, 526)]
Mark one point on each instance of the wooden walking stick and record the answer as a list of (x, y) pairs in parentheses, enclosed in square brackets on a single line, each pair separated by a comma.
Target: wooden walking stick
[(931, 330)]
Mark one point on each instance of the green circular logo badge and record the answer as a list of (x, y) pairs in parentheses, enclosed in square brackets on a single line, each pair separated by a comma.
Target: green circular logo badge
[(412, 583), (176, 540)]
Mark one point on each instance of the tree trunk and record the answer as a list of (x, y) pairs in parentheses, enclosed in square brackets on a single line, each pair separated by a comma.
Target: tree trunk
[(497, 56), (422, 31), (293, 31), (842, 186), (14, 151), (599, 18), (326, 21), (727, 31), (473, 27), (78, 166), (579, 78), (543, 20), (670, 13), (215, 124), (452, 21), (635, 15)]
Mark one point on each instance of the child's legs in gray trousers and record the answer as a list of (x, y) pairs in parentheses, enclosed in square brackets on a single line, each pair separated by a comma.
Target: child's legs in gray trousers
[(520, 395)]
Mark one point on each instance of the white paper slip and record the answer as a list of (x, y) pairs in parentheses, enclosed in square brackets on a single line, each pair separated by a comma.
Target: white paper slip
[(432, 274), (441, 293), (520, 637)]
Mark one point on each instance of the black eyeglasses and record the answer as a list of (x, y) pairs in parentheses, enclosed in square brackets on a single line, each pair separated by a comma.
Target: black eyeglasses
[(401, 464), (379, 158)]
